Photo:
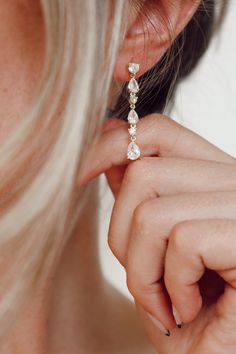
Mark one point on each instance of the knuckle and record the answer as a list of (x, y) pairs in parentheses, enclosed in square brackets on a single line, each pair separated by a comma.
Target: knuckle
[(133, 287), (112, 244), (165, 126), (150, 213), (180, 237), (159, 121), (139, 290), (115, 246), (156, 118), (142, 218)]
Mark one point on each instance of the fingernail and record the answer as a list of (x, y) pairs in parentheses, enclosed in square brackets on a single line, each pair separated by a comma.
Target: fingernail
[(177, 317), (159, 325), (167, 333)]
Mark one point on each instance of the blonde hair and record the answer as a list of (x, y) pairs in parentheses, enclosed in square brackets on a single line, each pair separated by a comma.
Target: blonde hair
[(39, 195)]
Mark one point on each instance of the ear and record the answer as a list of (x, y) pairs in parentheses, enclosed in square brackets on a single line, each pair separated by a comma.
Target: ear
[(151, 32)]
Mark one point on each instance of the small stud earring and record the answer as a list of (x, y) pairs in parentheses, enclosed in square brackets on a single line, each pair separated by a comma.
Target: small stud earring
[(133, 152)]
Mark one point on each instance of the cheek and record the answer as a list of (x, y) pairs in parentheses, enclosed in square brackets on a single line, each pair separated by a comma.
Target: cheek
[(14, 98), (21, 59)]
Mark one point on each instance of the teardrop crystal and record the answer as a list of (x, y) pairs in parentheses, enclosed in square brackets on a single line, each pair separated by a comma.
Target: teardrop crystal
[(133, 117), (133, 152), (133, 86)]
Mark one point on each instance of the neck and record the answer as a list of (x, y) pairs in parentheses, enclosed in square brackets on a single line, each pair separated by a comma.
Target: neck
[(61, 306), (79, 282), (74, 310)]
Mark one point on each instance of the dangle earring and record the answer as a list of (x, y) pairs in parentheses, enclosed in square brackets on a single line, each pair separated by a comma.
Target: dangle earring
[(133, 152)]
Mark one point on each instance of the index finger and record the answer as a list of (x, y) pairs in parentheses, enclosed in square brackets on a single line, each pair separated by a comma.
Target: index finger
[(157, 135)]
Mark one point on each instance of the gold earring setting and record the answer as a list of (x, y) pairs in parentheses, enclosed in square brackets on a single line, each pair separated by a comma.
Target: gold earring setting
[(133, 151)]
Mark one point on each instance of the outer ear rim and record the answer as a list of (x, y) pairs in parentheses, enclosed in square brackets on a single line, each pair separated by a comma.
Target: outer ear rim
[(137, 44)]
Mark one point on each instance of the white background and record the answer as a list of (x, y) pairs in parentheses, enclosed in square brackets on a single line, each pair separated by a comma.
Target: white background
[(205, 103)]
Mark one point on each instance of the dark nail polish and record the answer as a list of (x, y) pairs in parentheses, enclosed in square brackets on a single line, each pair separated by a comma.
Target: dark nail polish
[(159, 325)]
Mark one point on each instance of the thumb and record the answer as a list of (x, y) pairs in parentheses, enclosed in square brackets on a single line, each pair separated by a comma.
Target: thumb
[(115, 174)]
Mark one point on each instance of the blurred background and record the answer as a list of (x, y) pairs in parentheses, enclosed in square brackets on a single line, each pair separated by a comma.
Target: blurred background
[(206, 104)]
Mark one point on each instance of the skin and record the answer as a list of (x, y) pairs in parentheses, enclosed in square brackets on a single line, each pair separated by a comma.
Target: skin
[(63, 314), (73, 311), (173, 222)]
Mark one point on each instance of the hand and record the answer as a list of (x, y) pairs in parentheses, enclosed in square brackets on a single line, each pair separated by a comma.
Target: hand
[(174, 217)]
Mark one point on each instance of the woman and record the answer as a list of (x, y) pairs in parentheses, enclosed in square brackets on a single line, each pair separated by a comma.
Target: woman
[(53, 296)]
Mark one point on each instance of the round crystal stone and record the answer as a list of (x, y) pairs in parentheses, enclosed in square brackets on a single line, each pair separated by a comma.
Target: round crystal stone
[(133, 68), (132, 131), (133, 99)]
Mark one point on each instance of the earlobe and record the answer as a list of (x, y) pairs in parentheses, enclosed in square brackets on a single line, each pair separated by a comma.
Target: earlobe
[(151, 34)]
